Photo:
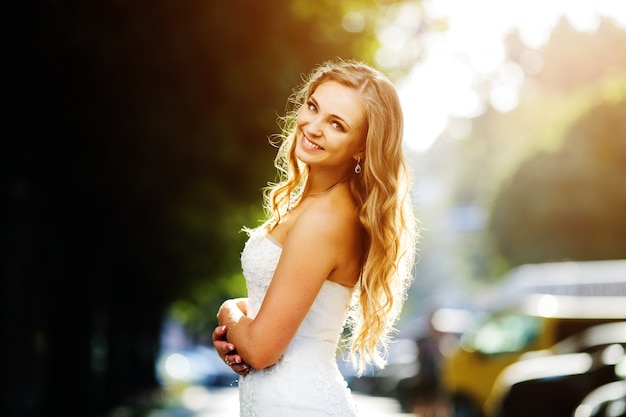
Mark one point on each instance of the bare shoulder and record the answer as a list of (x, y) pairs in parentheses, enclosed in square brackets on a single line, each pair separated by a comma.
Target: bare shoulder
[(329, 229), (333, 217), (331, 226)]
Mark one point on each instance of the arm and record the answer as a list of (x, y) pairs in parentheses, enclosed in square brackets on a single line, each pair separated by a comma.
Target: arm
[(308, 257), (225, 349)]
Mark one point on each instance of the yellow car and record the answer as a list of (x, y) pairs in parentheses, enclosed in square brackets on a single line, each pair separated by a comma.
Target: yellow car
[(538, 306)]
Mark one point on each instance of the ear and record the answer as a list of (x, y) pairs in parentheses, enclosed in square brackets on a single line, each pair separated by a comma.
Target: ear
[(359, 154)]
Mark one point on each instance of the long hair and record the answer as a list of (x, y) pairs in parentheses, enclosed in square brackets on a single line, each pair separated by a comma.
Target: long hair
[(381, 193)]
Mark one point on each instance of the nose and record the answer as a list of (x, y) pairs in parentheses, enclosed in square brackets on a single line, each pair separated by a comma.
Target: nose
[(314, 126)]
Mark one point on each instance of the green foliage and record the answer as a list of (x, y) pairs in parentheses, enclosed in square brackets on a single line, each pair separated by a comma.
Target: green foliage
[(513, 165), (569, 204)]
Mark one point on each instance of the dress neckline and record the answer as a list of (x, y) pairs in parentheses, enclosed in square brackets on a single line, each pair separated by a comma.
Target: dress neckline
[(273, 240)]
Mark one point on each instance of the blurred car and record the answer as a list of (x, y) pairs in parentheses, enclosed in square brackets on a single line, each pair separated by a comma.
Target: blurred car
[(608, 400), (553, 382), (534, 307)]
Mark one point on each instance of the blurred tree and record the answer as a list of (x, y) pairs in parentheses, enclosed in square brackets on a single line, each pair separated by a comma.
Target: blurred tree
[(136, 148), (569, 204), (563, 53), (478, 167), (539, 141)]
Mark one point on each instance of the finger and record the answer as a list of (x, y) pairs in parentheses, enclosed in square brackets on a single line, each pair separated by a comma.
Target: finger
[(235, 358), (223, 348), (219, 333), (232, 359), (241, 369)]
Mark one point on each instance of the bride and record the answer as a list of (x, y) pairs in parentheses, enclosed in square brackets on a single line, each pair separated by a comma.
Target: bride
[(335, 252)]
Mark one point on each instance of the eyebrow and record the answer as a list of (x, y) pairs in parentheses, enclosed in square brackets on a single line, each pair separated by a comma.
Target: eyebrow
[(332, 115)]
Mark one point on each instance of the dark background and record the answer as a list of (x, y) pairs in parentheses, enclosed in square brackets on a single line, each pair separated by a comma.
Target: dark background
[(135, 145)]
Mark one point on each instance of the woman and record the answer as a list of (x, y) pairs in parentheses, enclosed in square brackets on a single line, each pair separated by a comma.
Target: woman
[(338, 244)]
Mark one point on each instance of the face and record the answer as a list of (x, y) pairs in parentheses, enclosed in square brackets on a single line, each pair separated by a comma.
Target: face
[(331, 128)]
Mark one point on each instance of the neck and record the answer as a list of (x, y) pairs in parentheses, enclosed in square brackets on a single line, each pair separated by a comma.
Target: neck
[(306, 194), (316, 194)]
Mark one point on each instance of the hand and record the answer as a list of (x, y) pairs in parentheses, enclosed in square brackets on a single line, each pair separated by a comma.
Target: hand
[(227, 352)]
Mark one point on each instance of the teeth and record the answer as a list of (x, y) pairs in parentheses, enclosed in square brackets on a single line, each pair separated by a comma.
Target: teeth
[(311, 144)]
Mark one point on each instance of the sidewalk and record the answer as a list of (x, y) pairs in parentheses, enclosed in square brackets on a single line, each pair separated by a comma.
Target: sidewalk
[(198, 401)]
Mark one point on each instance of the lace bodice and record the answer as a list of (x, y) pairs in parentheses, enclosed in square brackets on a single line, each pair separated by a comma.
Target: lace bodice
[(306, 380)]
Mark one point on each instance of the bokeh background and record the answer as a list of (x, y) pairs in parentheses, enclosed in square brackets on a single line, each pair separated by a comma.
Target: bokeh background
[(136, 144)]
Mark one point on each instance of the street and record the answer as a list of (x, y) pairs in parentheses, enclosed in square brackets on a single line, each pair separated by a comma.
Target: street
[(198, 401)]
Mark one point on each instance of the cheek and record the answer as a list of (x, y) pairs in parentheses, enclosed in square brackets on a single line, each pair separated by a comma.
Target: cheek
[(359, 142), (301, 118)]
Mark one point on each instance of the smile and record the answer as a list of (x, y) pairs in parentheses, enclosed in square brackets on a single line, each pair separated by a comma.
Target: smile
[(310, 144)]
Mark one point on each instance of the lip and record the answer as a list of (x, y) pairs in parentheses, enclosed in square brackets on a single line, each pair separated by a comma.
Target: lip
[(309, 144)]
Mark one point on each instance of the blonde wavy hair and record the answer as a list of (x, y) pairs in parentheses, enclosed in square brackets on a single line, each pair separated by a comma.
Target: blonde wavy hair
[(381, 193)]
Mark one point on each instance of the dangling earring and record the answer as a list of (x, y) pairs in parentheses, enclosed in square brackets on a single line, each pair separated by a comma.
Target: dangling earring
[(357, 168)]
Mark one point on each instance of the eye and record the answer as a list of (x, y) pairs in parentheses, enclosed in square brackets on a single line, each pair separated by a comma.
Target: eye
[(311, 106), (337, 126)]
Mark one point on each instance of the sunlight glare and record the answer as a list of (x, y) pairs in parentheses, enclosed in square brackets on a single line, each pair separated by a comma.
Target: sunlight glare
[(177, 366), (442, 86), (196, 398), (548, 306), (504, 96), (392, 37), (353, 22)]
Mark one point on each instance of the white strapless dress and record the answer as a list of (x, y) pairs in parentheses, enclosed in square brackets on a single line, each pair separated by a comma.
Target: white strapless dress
[(306, 381)]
